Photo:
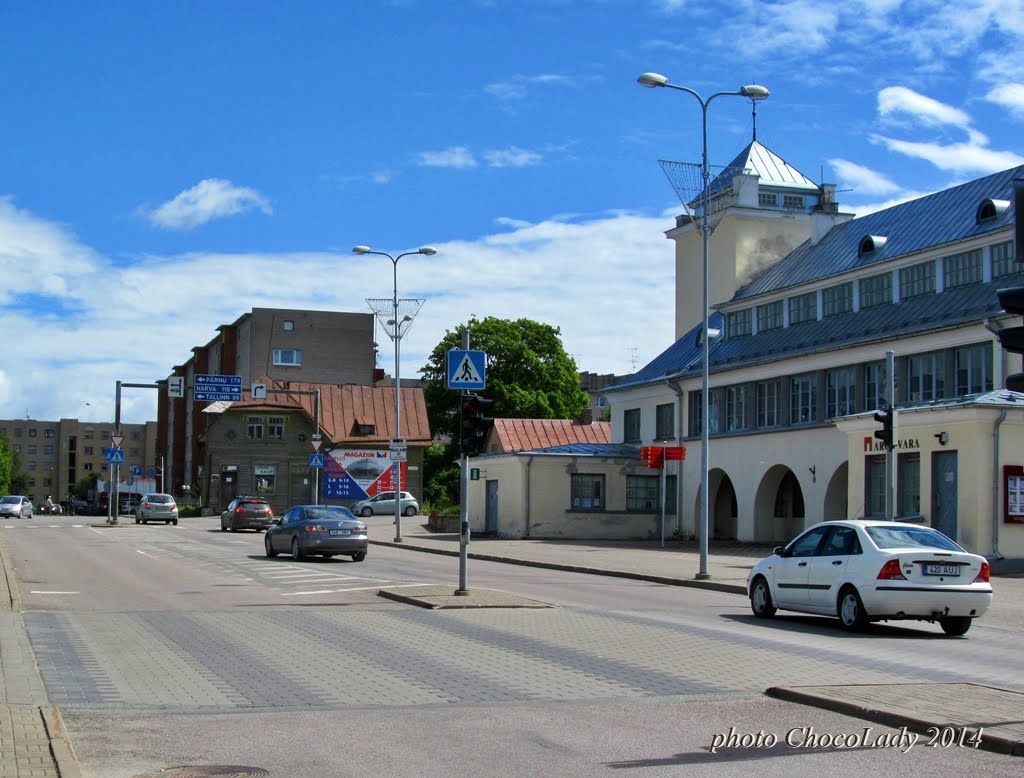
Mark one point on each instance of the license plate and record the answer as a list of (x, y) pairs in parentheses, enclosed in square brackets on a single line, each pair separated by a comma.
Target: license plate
[(951, 570), (341, 532)]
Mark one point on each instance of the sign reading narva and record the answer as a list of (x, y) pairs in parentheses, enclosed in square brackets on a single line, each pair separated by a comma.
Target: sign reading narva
[(211, 388)]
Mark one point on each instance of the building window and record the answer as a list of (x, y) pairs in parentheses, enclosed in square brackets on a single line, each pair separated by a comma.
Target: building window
[(1002, 259), (876, 290), (874, 485), (925, 378), (803, 399), (48, 449), (17, 448), (264, 479), (792, 201), (288, 325), (803, 308), (254, 427), (736, 407), (840, 385), (88, 435), (586, 492), (767, 404), (908, 484), (17, 432), (87, 450), (917, 280), (665, 421), (104, 434), (837, 299), (133, 451), (32, 449), (642, 493), (973, 369), (738, 323), (769, 316), (275, 428), (87, 466), (135, 436), (631, 425), (288, 356), (31, 465), (696, 427), (876, 392), (32, 433), (48, 433), (962, 269), (768, 199)]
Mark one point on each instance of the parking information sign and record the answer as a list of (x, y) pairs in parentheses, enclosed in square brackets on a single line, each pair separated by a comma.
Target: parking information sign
[(211, 388)]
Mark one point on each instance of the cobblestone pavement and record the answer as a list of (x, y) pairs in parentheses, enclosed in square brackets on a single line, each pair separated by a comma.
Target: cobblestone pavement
[(232, 661)]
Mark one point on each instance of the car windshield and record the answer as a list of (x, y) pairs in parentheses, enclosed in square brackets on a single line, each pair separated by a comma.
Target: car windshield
[(10, 499), (910, 537)]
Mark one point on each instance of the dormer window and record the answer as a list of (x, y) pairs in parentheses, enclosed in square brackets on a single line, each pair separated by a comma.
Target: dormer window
[(363, 430), (991, 209), (869, 244)]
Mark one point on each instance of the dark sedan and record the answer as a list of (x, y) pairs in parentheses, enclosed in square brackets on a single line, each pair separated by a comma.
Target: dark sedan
[(317, 530)]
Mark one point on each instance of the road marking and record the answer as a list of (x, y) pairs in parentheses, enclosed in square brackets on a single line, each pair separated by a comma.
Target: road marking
[(140, 551), (34, 591), (355, 589)]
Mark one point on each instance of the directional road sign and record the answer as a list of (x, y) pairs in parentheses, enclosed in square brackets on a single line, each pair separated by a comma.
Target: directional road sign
[(211, 388), (114, 455), (316, 460), (466, 369), (176, 386)]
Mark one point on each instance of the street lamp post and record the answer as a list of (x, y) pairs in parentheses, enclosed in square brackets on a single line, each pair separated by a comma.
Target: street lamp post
[(398, 327), (754, 92)]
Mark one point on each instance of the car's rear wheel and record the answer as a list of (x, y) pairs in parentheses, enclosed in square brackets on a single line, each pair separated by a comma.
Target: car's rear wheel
[(761, 599), (367, 511), (359, 556), (409, 511), (145, 521), (297, 554), (852, 615), (956, 625), (269, 546), (174, 522), (223, 527), (138, 520)]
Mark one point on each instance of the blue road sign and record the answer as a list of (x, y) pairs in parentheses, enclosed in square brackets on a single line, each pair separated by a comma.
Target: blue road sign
[(137, 471), (114, 456), (316, 460), (211, 388), (466, 369)]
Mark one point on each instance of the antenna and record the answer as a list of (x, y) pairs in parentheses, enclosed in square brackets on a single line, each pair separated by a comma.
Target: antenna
[(634, 357)]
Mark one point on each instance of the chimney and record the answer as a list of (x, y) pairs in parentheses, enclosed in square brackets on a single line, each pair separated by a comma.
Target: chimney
[(587, 417), (826, 214)]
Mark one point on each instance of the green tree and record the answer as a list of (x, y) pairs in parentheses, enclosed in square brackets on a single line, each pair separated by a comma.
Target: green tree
[(529, 376), (6, 465)]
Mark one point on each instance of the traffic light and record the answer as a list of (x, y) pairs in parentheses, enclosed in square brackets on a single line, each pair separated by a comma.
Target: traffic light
[(476, 423), (1012, 338), (885, 415)]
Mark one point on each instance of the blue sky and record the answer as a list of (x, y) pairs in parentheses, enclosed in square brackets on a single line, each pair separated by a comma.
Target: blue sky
[(166, 167)]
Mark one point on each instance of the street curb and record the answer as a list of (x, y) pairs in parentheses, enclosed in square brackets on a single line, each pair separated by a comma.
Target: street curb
[(60, 743), (994, 743), (12, 600), (668, 581)]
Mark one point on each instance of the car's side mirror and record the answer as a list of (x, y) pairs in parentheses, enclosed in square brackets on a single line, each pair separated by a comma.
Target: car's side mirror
[(780, 551)]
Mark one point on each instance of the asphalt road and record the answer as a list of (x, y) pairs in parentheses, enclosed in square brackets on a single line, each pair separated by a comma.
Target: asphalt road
[(177, 650)]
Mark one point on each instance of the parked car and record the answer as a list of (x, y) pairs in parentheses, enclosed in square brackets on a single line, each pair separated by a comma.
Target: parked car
[(157, 507), (247, 513), (129, 504), (384, 504), (868, 570), (16, 506), (318, 530)]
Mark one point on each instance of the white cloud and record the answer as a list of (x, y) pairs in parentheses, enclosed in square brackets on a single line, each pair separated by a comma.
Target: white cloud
[(1009, 96), (955, 157), (517, 87), (457, 157), (211, 198), (901, 100), (863, 180), (135, 322), (512, 157)]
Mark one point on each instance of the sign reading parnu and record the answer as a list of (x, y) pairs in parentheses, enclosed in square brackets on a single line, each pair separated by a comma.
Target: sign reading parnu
[(211, 388)]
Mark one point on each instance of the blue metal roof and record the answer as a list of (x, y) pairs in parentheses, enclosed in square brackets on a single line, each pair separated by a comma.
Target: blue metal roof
[(932, 221), (613, 450)]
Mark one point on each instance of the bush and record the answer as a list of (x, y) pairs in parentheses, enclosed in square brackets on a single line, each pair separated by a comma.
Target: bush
[(188, 511)]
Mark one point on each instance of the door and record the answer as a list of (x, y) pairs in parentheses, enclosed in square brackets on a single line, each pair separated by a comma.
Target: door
[(228, 488), (792, 570), (491, 508), (944, 492)]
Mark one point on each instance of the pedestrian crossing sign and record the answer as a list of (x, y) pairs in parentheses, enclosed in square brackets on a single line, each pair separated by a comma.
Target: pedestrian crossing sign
[(466, 369)]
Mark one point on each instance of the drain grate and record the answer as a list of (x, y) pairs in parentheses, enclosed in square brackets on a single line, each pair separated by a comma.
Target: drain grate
[(213, 771)]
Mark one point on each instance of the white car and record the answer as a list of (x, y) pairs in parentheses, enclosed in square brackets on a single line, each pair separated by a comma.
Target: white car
[(383, 504), (869, 570), (16, 506)]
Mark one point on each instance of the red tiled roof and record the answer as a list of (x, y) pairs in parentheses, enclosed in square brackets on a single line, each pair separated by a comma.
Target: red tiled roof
[(525, 434), (344, 406)]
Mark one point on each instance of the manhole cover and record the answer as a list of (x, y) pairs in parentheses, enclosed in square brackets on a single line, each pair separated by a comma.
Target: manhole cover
[(206, 771)]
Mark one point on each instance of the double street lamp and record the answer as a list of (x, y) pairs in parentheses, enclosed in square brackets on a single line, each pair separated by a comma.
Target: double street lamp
[(396, 327), (754, 92)]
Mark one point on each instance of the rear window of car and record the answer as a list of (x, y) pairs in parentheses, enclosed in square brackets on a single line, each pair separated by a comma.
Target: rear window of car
[(159, 498), (910, 537), (254, 503)]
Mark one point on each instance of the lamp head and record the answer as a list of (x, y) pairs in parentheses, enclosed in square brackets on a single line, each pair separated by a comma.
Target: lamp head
[(428, 250), (361, 250), (755, 92), (652, 79)]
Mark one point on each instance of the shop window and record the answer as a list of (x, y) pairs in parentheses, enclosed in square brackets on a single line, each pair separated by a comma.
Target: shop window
[(264, 477), (586, 492), (1013, 494), (642, 494)]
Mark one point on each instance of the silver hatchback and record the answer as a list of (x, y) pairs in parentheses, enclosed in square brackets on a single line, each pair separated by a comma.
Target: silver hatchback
[(157, 507), (16, 506)]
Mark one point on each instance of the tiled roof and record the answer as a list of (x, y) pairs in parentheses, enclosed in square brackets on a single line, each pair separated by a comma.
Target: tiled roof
[(934, 221), (344, 406), (527, 434)]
